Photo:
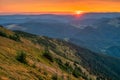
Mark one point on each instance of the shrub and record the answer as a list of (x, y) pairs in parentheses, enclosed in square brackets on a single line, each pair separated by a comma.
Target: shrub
[(55, 77), (77, 72), (40, 78), (68, 67), (58, 61), (14, 37), (21, 57), (64, 66), (3, 34), (48, 55)]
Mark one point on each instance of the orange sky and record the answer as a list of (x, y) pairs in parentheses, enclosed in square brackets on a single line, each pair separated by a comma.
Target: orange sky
[(19, 6)]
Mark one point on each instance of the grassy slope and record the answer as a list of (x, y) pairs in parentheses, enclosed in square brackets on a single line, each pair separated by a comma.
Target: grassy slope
[(37, 68), (40, 68), (103, 66)]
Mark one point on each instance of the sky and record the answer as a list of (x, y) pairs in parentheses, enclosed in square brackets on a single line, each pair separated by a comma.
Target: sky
[(58, 6)]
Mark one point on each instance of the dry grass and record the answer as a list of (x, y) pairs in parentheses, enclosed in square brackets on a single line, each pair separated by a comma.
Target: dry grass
[(11, 69), (37, 67)]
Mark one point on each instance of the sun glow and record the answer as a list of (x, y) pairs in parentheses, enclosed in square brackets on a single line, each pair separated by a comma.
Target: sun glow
[(78, 12)]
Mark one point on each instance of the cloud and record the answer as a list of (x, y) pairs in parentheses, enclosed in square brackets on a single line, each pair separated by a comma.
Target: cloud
[(15, 27)]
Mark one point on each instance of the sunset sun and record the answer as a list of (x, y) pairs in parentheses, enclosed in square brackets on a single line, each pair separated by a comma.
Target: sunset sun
[(78, 12)]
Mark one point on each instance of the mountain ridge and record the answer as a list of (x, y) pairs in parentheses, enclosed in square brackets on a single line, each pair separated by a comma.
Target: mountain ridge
[(48, 58)]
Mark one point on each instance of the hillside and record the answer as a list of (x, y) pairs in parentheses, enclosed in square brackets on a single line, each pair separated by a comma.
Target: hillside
[(41, 58)]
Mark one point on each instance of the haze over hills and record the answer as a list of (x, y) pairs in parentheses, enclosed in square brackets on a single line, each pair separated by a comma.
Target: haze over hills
[(95, 31), (43, 58)]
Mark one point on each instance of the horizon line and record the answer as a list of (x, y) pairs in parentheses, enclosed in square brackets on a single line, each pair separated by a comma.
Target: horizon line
[(54, 13)]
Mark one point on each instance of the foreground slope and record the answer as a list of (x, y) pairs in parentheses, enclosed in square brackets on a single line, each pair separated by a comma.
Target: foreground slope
[(51, 59)]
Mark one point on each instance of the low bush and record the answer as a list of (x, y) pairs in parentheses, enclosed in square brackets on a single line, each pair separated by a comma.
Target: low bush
[(21, 57), (77, 72), (48, 55), (55, 77), (3, 34), (14, 37)]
